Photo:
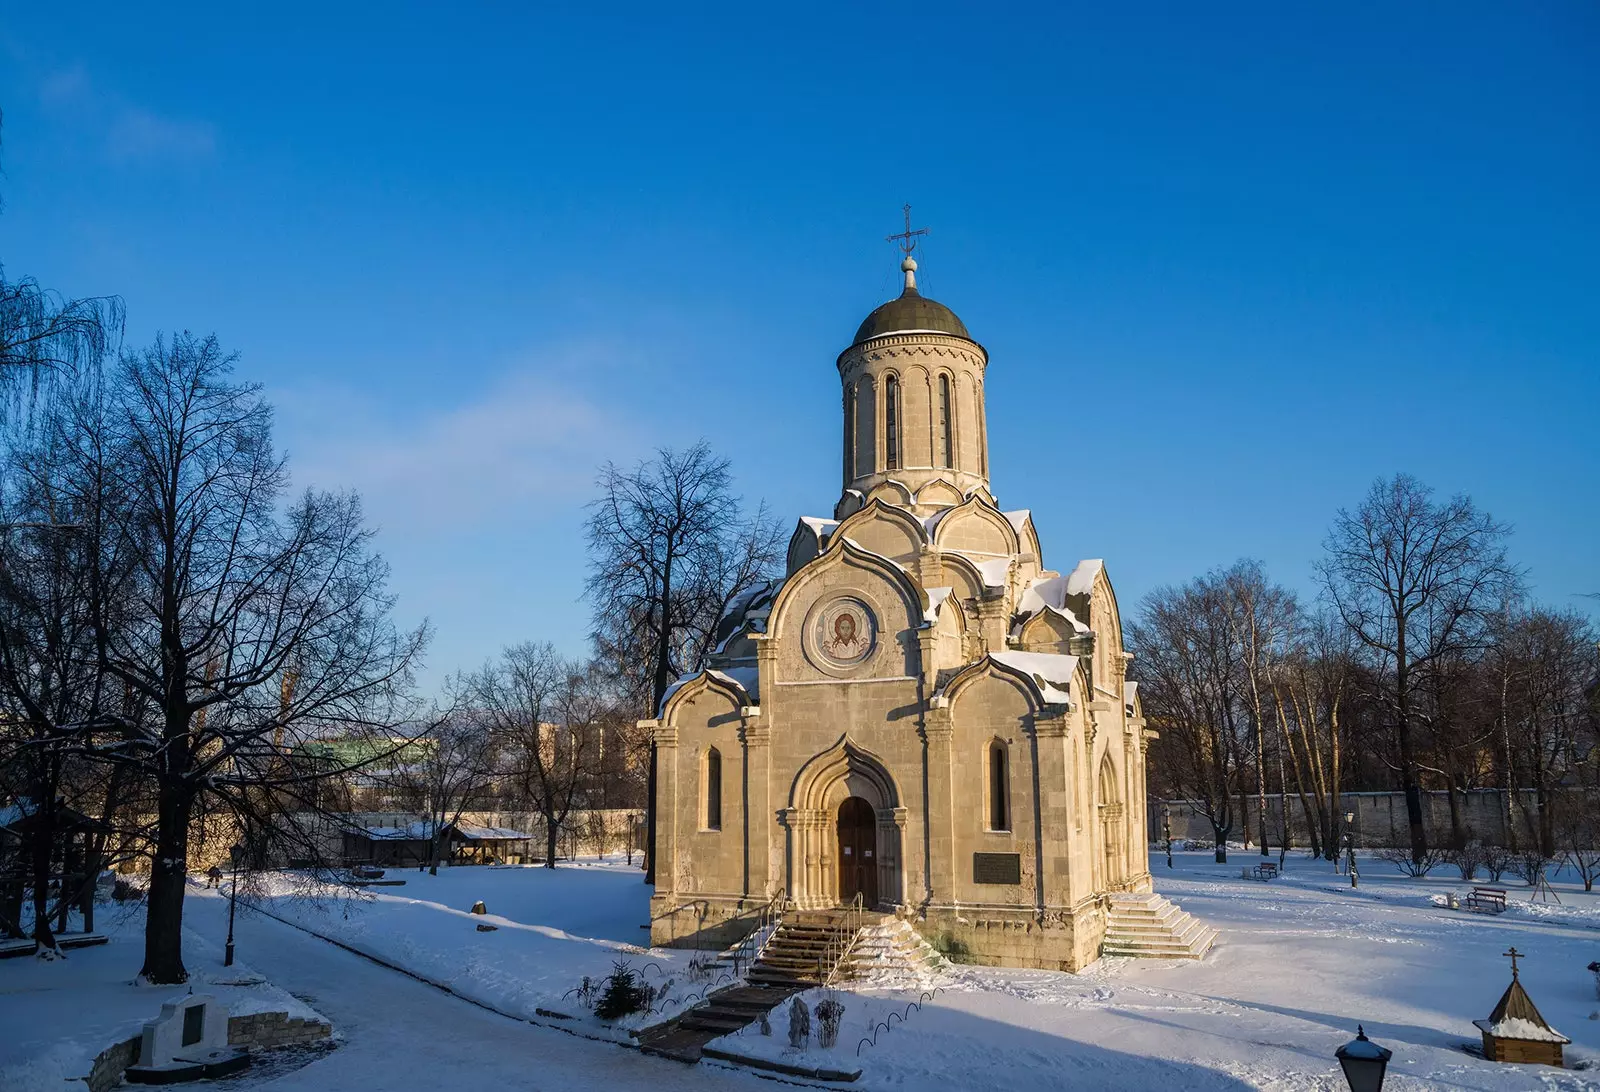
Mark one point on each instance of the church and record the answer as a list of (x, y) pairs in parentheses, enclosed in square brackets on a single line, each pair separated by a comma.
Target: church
[(920, 712)]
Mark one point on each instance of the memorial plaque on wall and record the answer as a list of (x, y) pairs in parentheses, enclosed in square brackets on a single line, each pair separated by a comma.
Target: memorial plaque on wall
[(996, 868)]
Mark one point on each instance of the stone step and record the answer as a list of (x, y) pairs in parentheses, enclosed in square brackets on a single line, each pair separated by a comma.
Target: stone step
[(720, 1023)]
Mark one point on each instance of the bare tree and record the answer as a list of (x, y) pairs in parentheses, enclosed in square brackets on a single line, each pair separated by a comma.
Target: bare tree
[(549, 714), (447, 769), (246, 624), (668, 549), (1411, 578), (1186, 655)]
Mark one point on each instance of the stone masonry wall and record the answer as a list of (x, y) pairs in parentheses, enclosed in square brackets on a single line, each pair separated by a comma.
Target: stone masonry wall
[(275, 1029), (262, 1030)]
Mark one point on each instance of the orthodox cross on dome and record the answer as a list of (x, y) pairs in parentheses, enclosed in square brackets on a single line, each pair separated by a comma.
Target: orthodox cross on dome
[(907, 239), (1515, 955)]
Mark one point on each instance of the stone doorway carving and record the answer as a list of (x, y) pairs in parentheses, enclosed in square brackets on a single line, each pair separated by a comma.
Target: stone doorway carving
[(845, 788), (858, 856)]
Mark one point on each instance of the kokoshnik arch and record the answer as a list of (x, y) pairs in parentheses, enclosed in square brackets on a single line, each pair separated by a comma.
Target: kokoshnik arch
[(919, 711)]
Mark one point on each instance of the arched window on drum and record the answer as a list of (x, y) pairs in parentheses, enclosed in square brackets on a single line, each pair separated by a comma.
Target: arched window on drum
[(891, 423)]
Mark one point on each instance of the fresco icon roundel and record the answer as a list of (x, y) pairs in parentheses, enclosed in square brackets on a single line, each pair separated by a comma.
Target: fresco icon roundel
[(843, 633)]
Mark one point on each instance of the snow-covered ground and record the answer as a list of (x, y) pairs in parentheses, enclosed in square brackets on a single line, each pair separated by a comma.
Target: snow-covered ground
[(55, 1016), (554, 926), (1299, 963)]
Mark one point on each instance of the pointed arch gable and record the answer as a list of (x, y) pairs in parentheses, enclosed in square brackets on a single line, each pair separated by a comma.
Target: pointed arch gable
[(988, 668), (884, 529), (714, 683), (961, 574), (806, 543), (976, 525), (1028, 537), (892, 491), (844, 769), (939, 492), (843, 553), (1047, 630)]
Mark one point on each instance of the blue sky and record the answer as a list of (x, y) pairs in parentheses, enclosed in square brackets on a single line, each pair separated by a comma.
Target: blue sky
[(1230, 262)]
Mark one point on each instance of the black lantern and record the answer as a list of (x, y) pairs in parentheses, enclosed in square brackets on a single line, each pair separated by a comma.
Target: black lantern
[(236, 858), (1364, 1062)]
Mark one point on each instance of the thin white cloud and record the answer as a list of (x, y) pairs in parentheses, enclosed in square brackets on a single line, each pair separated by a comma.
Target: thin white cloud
[(527, 441), (126, 131)]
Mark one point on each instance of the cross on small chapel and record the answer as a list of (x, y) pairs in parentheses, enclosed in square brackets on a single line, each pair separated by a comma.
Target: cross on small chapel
[(1515, 955), (907, 239)]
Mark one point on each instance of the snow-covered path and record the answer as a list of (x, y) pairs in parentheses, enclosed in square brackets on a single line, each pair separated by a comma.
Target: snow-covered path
[(402, 1035)]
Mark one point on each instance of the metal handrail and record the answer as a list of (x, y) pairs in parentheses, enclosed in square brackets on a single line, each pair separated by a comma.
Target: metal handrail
[(839, 945)]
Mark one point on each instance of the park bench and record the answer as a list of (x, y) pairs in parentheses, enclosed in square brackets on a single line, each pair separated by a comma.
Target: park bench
[(1486, 900), (1266, 870)]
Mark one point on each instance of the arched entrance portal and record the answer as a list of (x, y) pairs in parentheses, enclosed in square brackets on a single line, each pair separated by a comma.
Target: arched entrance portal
[(846, 831), (858, 851)]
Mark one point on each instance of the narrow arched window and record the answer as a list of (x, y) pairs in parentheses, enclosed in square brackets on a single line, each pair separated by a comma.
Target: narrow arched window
[(849, 434), (891, 429), (713, 789), (999, 783), (944, 418)]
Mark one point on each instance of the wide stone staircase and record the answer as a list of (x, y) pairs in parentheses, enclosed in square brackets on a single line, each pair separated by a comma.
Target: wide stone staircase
[(683, 1037), (803, 951), (1150, 927), (808, 945)]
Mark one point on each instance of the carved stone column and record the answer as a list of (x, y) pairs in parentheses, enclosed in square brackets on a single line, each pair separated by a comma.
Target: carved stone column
[(666, 740), (892, 881), (939, 841), (756, 738)]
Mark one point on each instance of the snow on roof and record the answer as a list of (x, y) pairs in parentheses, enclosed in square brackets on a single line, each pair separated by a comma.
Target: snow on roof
[(1514, 1028), (1362, 1048), (743, 679), (936, 598), (1049, 593), (1130, 693), (490, 834), (1081, 580), (1019, 518), (1050, 672), (819, 526), (994, 571), (421, 830)]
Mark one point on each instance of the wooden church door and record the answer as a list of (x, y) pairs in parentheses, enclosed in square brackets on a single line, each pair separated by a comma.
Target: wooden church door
[(858, 845)]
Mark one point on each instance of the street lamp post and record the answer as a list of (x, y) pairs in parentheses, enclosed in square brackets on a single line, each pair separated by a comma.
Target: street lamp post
[(235, 855), (1363, 1062), (1166, 830), (1350, 846)]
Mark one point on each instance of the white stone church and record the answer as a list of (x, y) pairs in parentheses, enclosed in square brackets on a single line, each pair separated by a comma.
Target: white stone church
[(919, 712)]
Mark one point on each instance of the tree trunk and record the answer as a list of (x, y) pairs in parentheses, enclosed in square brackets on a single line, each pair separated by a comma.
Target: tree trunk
[(1410, 779), (163, 926), (41, 841), (552, 830), (662, 681), (1219, 835)]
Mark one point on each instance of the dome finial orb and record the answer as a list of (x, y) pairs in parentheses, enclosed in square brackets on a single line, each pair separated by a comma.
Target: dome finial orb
[(909, 268)]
